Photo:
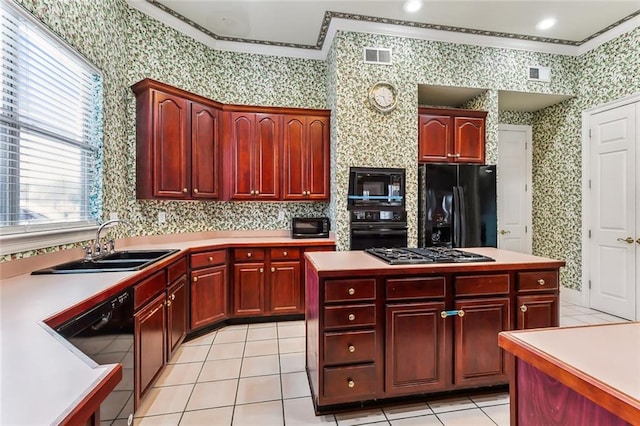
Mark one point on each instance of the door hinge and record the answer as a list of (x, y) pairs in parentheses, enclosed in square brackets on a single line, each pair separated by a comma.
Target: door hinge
[(589, 284), (589, 183), (589, 233), (589, 133), (525, 229), (525, 187)]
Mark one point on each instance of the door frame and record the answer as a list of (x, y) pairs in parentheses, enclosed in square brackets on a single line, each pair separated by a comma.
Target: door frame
[(528, 176), (582, 297)]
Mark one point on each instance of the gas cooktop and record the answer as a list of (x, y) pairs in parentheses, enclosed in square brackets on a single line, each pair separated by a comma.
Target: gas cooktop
[(415, 256)]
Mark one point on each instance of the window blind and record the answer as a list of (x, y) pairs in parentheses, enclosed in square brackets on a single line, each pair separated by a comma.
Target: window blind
[(50, 129)]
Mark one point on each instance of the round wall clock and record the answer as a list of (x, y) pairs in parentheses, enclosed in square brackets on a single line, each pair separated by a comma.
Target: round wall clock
[(383, 96)]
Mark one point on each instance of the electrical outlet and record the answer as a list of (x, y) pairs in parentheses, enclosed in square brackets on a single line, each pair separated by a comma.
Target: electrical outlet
[(113, 215), (162, 217), (281, 214)]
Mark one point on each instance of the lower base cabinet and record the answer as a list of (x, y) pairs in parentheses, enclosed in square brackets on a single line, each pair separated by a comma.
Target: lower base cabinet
[(208, 296), (248, 289), (150, 343), (177, 315), (285, 295)]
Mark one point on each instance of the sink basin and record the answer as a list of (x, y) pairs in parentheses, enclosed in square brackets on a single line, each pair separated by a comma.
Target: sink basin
[(120, 261)]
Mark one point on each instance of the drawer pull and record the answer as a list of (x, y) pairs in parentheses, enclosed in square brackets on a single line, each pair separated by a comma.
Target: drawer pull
[(249, 254), (185, 190), (351, 317), (352, 291), (352, 348), (460, 313), (541, 281), (195, 279), (210, 258), (261, 270), (168, 302), (173, 297), (195, 190), (445, 314), (351, 383), (273, 269), (284, 253), (523, 308)]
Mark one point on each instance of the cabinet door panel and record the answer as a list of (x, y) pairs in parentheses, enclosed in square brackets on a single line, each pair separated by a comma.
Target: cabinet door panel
[(149, 344), (434, 138), (177, 315), (208, 296), (267, 168), (248, 288), (284, 288), (243, 161), (469, 140), (294, 162), (537, 311), (204, 151), (417, 357), (318, 158), (170, 175), (478, 359)]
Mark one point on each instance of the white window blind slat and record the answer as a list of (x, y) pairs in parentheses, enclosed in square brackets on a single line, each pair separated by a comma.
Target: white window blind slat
[(50, 107)]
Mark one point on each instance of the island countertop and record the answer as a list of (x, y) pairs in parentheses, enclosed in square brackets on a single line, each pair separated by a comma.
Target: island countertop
[(600, 362), (359, 262)]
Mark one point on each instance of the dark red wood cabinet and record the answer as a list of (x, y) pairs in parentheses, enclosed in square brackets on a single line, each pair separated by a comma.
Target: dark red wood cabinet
[(252, 154), (177, 314), (150, 344), (305, 158), (177, 136), (208, 287), (451, 135)]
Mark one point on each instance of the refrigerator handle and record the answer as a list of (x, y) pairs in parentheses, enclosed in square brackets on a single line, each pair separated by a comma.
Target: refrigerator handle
[(462, 229), (456, 217)]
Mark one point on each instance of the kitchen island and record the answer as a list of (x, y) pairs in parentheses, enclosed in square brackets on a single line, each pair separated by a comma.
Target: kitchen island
[(378, 332), (586, 375)]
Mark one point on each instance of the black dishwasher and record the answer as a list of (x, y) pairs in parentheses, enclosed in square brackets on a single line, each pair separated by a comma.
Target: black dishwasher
[(105, 334)]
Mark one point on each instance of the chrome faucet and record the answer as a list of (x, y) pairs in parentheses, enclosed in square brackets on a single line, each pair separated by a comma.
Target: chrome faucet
[(97, 247)]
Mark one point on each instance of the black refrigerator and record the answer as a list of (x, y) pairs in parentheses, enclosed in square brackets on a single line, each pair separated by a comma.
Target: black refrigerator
[(457, 205)]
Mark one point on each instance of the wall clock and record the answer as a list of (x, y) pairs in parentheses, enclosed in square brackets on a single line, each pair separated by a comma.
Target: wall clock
[(383, 97)]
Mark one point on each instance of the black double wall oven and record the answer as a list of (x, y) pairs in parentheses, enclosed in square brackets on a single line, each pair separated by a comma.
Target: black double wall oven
[(376, 204)]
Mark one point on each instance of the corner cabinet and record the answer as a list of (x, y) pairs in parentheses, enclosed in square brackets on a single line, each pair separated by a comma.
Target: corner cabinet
[(451, 135), (177, 136), (305, 151)]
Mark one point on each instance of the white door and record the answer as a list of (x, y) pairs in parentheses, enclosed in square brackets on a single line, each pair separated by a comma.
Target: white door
[(613, 211), (514, 188)]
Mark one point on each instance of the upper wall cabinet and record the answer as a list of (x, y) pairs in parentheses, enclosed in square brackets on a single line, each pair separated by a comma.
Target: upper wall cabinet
[(451, 135), (305, 150), (177, 136), (252, 146)]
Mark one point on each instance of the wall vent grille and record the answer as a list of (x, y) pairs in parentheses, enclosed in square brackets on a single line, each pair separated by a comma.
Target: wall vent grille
[(377, 55), (539, 74)]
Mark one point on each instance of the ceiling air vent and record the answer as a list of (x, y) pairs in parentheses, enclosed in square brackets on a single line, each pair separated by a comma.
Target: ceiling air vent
[(377, 55), (540, 74)]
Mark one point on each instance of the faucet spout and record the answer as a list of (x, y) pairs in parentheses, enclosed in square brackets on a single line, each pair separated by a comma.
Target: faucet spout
[(97, 247)]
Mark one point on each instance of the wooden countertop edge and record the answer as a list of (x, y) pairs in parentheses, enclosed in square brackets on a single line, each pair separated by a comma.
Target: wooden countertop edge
[(590, 387), (84, 409)]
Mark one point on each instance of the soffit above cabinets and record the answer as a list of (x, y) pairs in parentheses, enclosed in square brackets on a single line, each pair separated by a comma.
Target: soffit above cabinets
[(457, 97)]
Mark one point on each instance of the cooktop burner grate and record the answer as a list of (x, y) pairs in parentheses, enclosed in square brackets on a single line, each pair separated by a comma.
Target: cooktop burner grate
[(408, 256)]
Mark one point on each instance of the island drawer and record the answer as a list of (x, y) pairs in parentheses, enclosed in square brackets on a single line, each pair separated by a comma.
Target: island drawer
[(537, 280), (248, 254), (208, 258), (176, 269), (349, 316), (474, 285), (415, 288), (350, 382), (349, 290), (349, 347), (284, 253), (148, 288)]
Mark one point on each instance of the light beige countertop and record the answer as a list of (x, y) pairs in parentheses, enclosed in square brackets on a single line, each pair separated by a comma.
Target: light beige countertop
[(42, 376), (337, 263), (600, 362)]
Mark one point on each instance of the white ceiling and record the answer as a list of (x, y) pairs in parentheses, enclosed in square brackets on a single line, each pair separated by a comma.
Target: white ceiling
[(307, 25)]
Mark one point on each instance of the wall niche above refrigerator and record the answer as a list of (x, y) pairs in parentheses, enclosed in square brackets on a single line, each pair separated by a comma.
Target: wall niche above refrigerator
[(451, 135)]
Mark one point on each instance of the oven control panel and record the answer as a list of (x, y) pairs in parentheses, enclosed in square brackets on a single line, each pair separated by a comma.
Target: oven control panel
[(378, 216)]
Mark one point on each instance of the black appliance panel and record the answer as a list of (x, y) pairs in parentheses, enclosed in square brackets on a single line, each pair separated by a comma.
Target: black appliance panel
[(457, 205), (310, 227), (379, 235), (372, 188), (418, 256), (105, 334)]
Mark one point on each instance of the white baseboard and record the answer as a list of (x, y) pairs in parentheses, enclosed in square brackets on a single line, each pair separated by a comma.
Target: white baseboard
[(572, 296)]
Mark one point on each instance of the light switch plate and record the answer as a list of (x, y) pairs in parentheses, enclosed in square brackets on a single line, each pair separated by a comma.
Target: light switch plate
[(113, 215), (281, 214), (162, 217)]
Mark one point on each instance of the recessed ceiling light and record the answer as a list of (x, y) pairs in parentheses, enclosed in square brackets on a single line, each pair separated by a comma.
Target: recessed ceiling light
[(412, 6), (547, 23)]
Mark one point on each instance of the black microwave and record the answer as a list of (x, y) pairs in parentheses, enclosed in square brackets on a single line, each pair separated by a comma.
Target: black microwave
[(310, 227), (376, 188)]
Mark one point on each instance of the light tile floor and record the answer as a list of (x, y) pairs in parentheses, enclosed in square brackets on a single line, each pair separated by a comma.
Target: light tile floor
[(254, 375)]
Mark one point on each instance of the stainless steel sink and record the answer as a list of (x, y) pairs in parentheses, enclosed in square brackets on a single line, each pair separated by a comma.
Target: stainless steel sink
[(119, 261)]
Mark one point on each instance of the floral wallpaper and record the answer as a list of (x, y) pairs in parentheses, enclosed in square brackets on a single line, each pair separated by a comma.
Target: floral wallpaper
[(128, 46)]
